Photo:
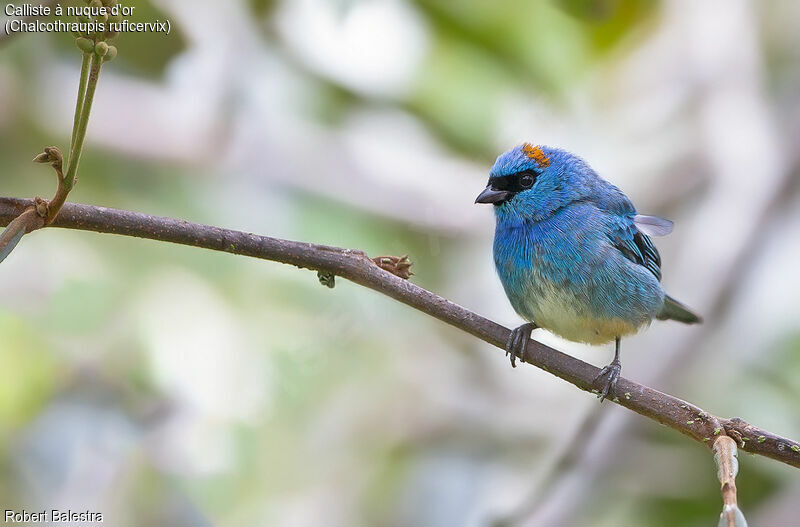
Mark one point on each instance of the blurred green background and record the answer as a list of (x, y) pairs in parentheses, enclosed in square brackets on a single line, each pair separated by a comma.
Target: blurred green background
[(163, 385)]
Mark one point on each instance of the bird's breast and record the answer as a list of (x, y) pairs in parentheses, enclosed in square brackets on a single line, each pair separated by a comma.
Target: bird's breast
[(575, 289)]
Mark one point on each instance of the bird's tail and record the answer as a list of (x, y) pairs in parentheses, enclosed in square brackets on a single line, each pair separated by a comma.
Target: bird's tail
[(674, 310)]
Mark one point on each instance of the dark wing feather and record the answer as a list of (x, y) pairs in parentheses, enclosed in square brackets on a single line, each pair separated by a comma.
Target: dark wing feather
[(638, 248)]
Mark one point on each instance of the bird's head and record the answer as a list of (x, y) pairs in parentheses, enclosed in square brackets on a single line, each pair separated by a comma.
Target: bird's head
[(531, 182)]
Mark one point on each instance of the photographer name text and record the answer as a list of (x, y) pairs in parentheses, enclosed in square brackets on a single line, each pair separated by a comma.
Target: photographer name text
[(52, 516)]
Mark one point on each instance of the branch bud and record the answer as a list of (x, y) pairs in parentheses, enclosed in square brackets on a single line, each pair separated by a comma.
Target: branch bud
[(397, 265), (84, 44), (110, 54), (101, 48), (42, 158), (51, 156), (41, 207)]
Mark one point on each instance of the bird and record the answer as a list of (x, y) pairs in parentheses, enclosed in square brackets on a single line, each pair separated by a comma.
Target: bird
[(574, 256)]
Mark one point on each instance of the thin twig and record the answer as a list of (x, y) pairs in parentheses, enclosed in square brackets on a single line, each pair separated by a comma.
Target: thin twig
[(85, 66), (17, 228), (359, 268), (79, 134), (725, 456)]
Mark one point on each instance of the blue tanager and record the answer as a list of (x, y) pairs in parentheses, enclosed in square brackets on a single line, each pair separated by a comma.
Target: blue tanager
[(573, 255)]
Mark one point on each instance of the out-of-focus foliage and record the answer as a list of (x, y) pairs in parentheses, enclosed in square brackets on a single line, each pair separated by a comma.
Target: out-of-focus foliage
[(166, 385)]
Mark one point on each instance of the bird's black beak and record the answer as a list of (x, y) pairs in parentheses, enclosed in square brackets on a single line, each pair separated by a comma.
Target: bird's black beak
[(490, 195)]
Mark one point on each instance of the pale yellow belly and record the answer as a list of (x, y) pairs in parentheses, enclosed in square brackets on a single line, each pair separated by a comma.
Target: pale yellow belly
[(591, 331), (555, 312)]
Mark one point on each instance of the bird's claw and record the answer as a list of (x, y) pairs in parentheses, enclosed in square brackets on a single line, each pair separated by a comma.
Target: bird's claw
[(517, 343), (611, 375)]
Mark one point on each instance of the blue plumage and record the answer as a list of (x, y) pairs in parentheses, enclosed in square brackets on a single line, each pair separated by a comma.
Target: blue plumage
[(573, 255)]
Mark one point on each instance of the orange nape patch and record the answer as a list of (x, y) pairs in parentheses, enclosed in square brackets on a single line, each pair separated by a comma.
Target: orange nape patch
[(535, 153)]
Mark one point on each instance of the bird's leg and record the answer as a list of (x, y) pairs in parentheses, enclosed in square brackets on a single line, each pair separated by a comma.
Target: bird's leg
[(517, 343), (610, 374)]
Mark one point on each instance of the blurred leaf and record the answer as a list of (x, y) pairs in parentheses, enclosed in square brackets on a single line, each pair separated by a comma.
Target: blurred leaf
[(532, 41), (26, 375), (608, 21), (80, 306), (148, 53), (330, 103), (262, 8), (386, 483), (458, 95)]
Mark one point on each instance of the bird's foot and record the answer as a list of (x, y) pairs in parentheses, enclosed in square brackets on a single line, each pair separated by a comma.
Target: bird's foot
[(609, 377), (517, 343)]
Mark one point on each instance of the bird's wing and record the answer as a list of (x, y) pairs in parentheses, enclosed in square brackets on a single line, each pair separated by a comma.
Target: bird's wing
[(630, 232), (635, 245), (652, 225)]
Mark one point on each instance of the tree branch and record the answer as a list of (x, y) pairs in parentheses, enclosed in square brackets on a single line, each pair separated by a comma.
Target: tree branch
[(357, 267)]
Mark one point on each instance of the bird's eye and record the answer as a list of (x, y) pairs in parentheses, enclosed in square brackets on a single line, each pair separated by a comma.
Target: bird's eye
[(526, 180)]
